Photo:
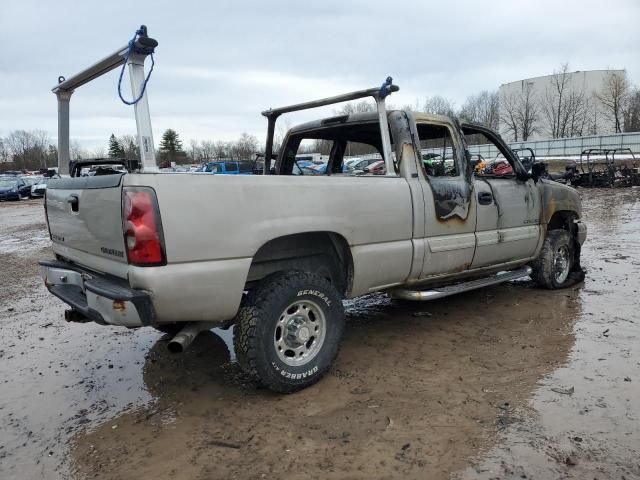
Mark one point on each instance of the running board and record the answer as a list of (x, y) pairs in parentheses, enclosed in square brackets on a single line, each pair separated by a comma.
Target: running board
[(423, 295)]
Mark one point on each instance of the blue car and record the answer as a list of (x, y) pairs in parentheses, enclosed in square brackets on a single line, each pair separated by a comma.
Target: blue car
[(14, 188), (304, 163), (228, 167)]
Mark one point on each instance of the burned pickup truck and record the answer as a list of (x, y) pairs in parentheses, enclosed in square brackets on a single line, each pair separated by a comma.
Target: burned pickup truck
[(132, 249)]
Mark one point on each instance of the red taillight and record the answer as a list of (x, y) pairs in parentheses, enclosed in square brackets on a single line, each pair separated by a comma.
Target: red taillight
[(142, 227)]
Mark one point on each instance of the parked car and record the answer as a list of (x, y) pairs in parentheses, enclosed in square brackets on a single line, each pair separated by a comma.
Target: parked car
[(14, 188), (309, 169), (358, 164), (38, 186), (319, 168), (304, 163), (229, 167), (376, 168), (306, 171), (275, 255)]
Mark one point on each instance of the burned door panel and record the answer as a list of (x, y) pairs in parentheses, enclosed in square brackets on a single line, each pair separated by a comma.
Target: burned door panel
[(450, 214)]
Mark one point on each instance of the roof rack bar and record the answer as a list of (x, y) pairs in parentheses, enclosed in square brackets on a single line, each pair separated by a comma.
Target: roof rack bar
[(378, 94), (370, 92)]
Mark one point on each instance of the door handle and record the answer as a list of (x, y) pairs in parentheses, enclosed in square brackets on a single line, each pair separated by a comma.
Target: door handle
[(72, 200), (485, 198)]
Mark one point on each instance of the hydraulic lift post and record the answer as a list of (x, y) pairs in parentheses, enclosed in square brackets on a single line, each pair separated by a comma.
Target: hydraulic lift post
[(142, 47)]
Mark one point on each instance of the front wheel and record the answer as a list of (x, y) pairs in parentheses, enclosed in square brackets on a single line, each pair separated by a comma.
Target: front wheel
[(288, 330), (557, 265)]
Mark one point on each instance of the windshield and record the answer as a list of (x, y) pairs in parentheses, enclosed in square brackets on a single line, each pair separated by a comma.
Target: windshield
[(32, 180), (8, 182)]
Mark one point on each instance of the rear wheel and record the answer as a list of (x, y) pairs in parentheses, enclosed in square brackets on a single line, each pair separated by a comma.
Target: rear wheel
[(288, 330), (555, 266)]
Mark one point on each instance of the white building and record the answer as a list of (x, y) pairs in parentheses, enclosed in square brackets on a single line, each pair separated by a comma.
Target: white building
[(585, 111)]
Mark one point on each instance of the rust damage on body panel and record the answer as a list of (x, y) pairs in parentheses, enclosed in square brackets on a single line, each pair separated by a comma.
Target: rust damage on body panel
[(557, 198)]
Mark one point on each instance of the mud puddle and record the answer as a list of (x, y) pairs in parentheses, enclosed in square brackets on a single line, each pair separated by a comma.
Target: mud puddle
[(459, 387), (583, 421)]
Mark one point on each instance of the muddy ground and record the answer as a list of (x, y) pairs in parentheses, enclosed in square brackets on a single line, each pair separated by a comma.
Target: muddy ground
[(473, 386)]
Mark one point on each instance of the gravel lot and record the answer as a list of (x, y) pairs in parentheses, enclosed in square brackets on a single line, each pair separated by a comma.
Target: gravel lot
[(506, 382)]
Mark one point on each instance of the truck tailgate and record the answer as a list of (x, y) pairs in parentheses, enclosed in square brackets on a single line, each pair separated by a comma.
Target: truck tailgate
[(85, 221)]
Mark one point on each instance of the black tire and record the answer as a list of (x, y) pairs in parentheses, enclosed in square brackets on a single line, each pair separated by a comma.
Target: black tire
[(278, 302), (548, 268)]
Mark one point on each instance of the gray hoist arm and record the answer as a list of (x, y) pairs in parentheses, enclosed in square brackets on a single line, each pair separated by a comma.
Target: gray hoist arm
[(135, 56)]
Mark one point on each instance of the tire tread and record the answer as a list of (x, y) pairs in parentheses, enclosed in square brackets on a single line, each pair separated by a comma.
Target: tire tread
[(543, 264), (246, 338)]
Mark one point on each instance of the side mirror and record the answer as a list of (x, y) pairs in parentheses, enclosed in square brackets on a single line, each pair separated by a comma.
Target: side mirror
[(539, 170)]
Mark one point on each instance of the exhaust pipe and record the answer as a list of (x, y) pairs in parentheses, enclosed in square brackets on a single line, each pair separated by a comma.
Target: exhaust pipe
[(187, 335)]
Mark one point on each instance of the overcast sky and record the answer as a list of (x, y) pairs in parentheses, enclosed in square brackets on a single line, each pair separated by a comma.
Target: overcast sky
[(219, 64)]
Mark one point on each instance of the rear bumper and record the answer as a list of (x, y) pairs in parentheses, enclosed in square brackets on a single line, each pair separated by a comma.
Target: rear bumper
[(101, 298)]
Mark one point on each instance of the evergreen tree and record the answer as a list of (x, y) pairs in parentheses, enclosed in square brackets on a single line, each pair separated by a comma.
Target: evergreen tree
[(171, 147), (170, 142), (115, 148)]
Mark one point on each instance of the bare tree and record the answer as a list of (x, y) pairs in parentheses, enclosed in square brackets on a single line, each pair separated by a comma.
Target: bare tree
[(614, 95), (28, 148), (76, 151), (528, 112), (246, 147), (195, 151), (632, 112), (564, 108), (553, 101), (438, 105), (509, 115), (207, 149), (362, 106), (4, 151), (576, 114), (520, 113), (220, 150), (282, 127), (98, 152), (482, 108)]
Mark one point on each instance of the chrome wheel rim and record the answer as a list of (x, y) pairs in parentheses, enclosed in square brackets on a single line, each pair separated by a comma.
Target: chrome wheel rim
[(299, 333), (561, 264)]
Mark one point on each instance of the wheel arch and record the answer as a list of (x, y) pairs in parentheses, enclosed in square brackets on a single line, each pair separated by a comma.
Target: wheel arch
[(324, 253), (564, 220)]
